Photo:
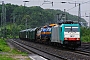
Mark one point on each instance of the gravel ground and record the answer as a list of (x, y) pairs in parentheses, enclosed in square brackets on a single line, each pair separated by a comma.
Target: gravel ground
[(15, 56)]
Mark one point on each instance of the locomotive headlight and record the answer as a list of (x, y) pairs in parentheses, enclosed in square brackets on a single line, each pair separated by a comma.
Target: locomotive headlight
[(78, 38), (65, 38)]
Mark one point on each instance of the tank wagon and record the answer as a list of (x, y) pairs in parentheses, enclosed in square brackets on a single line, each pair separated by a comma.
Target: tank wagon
[(66, 34)]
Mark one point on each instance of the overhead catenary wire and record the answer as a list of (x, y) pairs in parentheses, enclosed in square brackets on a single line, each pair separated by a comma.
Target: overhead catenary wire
[(78, 5), (51, 2), (46, 2)]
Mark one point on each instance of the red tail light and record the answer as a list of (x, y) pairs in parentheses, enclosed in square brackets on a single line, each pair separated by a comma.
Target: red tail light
[(71, 38)]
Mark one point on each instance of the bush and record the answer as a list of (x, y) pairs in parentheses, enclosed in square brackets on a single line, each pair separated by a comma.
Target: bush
[(85, 38), (85, 34)]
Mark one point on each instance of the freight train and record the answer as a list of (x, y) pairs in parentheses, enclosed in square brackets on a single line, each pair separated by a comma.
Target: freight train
[(65, 34)]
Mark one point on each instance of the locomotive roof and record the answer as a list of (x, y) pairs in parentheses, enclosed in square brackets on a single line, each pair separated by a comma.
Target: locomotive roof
[(52, 25), (66, 22), (70, 25)]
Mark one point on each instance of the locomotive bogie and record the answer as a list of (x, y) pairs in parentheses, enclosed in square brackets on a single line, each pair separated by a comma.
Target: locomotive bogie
[(72, 43)]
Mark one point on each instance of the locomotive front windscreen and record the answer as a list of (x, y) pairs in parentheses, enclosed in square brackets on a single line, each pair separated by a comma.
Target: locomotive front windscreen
[(71, 29)]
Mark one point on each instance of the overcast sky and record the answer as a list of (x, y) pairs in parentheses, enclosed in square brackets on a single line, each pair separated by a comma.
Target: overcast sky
[(85, 7)]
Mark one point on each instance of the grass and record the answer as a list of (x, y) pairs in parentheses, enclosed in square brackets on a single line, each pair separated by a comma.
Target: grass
[(3, 46), (6, 52)]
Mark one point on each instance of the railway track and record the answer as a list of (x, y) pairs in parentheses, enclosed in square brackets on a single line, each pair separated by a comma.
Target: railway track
[(52, 53), (84, 49), (30, 49)]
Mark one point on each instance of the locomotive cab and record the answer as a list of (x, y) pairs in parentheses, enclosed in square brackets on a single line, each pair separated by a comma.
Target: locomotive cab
[(67, 34), (72, 35)]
